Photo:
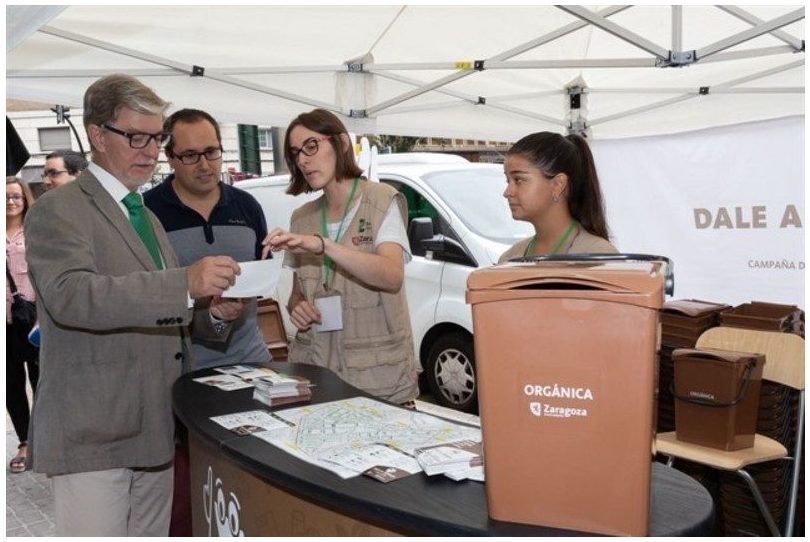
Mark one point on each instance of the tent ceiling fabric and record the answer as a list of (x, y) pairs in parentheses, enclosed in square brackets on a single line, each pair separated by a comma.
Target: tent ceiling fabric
[(414, 66)]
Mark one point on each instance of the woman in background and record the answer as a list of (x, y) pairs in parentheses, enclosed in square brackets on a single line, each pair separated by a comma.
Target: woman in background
[(551, 182), (19, 352), (348, 250)]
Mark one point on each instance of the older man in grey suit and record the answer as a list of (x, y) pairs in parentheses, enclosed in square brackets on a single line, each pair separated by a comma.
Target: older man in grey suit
[(112, 306)]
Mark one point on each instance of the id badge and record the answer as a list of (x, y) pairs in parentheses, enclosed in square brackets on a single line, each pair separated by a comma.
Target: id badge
[(330, 305)]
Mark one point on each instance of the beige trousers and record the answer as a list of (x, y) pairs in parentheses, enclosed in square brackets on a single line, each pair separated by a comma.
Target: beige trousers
[(117, 502)]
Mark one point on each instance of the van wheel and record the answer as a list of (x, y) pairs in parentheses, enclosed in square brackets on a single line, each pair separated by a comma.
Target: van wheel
[(451, 372)]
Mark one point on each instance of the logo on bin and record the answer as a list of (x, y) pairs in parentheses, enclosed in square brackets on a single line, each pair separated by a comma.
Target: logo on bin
[(536, 408)]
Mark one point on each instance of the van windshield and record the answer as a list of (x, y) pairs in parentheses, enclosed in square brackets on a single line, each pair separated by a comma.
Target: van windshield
[(476, 197)]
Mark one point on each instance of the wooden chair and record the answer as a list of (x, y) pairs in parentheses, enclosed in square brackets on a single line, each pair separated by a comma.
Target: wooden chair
[(271, 324), (784, 364)]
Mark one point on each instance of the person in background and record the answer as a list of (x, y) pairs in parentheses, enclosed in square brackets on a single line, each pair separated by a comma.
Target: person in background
[(348, 249), (113, 304), (19, 352), (551, 182), (61, 167), (203, 217)]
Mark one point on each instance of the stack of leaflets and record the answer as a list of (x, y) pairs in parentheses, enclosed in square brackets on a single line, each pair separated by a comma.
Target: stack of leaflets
[(279, 389), (234, 377), (450, 457)]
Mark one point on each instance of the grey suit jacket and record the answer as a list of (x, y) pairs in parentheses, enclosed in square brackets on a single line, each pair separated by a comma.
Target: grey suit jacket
[(112, 344)]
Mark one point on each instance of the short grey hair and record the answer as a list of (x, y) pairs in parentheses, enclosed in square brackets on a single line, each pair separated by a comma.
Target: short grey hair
[(105, 98)]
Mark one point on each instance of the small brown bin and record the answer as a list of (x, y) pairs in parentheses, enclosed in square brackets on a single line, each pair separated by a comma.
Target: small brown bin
[(717, 397), (565, 360)]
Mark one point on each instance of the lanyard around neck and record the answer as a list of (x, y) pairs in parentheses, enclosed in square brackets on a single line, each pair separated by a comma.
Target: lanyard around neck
[(327, 261), (530, 249)]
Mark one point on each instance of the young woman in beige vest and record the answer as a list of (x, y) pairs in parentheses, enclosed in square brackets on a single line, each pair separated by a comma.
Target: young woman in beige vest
[(551, 182), (348, 249)]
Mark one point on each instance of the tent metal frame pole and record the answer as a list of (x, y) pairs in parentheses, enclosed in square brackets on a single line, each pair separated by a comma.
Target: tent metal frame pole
[(498, 106), (495, 65), (124, 51), (677, 28), (753, 20), (494, 103), (750, 53), (145, 72), (616, 30), (767, 90), (271, 91), (546, 38), (721, 86), (515, 65), (282, 70), (713, 90), (528, 114), (527, 95), (751, 33), (416, 82), (642, 109), (427, 107), (555, 34), (572, 63), (183, 68), (760, 75)]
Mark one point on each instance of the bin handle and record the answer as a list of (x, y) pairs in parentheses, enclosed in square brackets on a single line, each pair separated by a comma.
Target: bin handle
[(749, 367), (669, 276)]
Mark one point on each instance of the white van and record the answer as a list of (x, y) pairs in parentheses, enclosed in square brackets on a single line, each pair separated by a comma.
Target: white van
[(458, 220)]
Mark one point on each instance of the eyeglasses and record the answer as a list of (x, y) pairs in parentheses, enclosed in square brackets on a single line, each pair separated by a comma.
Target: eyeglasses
[(14, 197), (53, 173), (309, 148), (191, 157), (139, 140)]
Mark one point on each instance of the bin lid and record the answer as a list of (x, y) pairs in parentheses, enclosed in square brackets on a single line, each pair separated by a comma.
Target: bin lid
[(617, 276), (714, 354)]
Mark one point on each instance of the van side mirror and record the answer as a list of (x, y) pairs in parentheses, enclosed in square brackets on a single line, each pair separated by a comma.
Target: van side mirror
[(446, 249), (419, 229)]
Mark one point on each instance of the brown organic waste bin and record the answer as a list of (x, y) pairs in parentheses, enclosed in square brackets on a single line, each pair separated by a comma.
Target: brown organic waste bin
[(717, 397), (565, 358)]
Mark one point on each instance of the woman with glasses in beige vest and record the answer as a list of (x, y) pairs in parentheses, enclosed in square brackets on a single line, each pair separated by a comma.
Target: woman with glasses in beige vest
[(348, 249)]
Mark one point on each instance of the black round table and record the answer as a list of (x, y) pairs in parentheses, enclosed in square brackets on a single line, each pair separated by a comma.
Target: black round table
[(243, 484)]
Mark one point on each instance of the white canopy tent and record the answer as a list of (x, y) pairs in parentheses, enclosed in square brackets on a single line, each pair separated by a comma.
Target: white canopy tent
[(479, 72), (696, 113)]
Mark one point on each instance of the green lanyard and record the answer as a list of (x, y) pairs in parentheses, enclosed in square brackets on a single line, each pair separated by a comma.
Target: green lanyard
[(328, 264), (530, 249)]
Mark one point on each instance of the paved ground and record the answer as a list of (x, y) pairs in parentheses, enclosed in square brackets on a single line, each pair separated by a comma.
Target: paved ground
[(29, 503)]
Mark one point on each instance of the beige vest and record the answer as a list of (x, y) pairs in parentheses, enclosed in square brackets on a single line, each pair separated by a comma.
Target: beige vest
[(374, 350), (584, 243)]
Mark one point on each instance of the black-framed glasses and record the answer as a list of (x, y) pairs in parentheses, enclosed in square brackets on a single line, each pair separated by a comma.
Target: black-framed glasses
[(192, 157), (309, 148), (52, 173), (139, 140)]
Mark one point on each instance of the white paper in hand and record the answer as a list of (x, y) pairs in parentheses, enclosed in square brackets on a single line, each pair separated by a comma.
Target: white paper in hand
[(331, 309), (257, 279)]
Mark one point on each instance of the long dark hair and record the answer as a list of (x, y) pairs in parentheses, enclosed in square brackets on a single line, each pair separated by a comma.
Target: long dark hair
[(325, 123), (553, 153)]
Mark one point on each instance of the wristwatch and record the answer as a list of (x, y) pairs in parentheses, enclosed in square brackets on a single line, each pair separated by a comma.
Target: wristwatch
[(219, 325)]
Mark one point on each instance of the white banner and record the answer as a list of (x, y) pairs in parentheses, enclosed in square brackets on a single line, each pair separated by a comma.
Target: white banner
[(726, 205)]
